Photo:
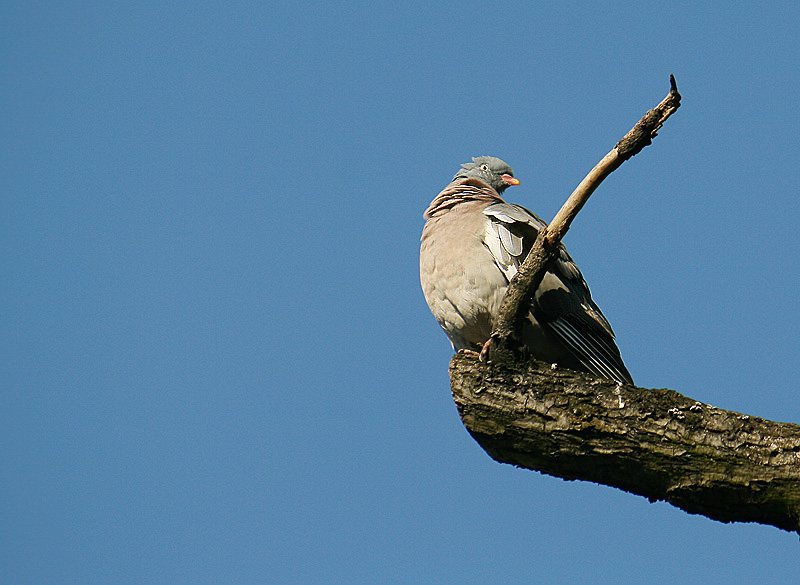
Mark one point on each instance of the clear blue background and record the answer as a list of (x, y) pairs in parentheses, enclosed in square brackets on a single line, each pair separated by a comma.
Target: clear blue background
[(217, 364)]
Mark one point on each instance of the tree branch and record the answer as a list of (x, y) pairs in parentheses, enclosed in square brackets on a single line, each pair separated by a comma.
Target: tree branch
[(654, 443), (504, 342)]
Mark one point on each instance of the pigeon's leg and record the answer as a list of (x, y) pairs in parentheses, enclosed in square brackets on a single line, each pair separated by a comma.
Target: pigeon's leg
[(485, 350), (469, 352)]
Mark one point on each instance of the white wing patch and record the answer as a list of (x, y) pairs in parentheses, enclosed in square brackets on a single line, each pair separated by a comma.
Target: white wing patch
[(504, 247), (512, 243)]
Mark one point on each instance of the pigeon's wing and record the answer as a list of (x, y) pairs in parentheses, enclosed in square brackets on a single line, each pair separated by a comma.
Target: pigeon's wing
[(562, 304)]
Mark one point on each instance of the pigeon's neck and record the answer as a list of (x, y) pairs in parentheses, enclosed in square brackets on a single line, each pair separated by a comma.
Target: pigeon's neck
[(461, 191)]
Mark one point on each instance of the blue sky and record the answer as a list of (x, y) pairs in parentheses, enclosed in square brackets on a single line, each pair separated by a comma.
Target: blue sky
[(218, 364)]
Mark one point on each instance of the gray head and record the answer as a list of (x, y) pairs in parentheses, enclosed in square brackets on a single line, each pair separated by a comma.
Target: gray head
[(488, 169)]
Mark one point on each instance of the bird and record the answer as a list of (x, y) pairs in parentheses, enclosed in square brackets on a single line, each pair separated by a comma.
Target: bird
[(471, 247)]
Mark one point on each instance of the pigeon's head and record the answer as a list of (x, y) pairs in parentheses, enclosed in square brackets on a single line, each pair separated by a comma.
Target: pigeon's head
[(488, 169)]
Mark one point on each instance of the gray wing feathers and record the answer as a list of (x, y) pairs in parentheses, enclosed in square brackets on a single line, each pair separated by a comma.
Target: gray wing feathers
[(562, 303), (598, 353), (508, 243), (512, 213)]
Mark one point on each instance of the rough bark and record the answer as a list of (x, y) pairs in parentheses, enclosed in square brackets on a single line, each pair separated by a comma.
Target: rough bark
[(651, 442)]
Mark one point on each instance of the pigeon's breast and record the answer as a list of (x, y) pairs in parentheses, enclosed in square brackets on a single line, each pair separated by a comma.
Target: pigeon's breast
[(462, 285)]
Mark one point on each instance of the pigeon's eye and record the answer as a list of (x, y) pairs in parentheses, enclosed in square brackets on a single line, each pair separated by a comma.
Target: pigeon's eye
[(484, 167)]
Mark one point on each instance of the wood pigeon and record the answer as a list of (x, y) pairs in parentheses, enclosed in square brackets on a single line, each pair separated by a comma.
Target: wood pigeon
[(473, 242)]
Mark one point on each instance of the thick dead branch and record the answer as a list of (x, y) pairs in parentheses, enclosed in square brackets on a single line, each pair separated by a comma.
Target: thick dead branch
[(504, 342), (654, 443)]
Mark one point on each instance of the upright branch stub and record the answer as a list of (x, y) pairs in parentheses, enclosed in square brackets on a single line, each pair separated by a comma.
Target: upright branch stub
[(647, 128), (505, 341)]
